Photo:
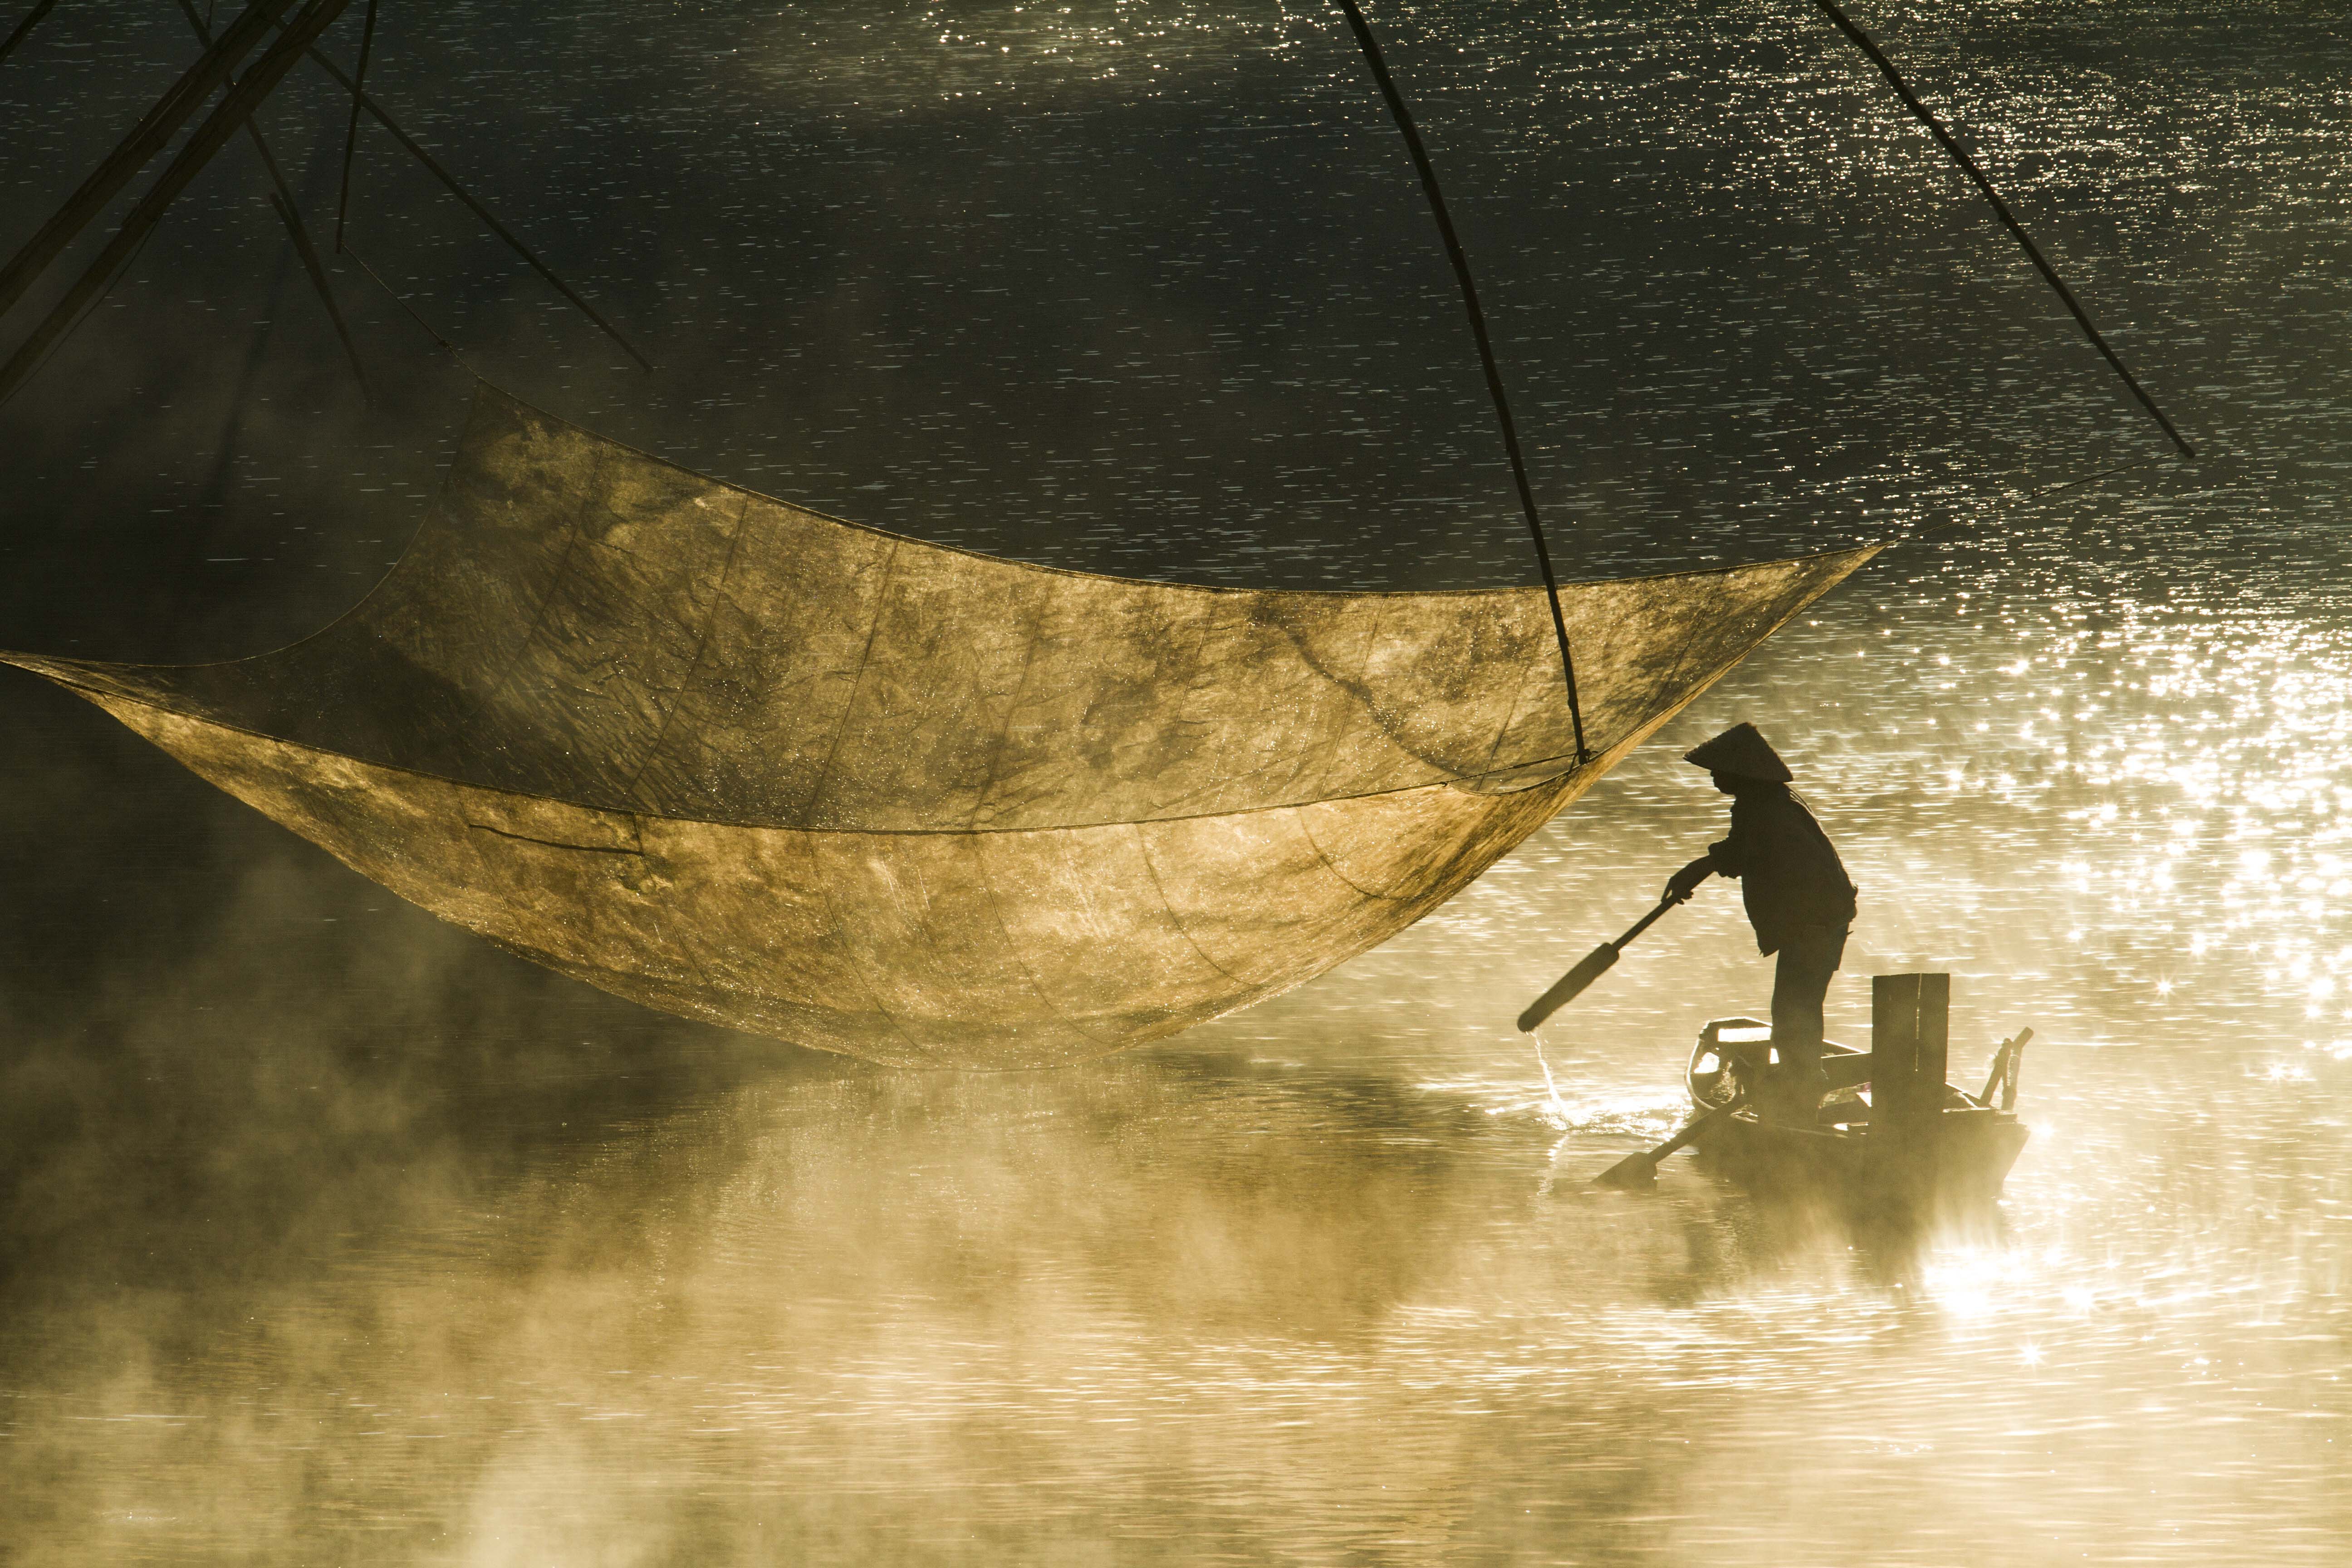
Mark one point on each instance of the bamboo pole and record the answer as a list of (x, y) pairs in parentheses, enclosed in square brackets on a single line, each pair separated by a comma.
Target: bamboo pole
[(1461, 262), (1945, 138), (156, 128), (31, 20), (282, 202), (208, 138)]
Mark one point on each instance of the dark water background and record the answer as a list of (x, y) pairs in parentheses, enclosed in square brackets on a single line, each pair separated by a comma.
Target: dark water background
[(329, 1235)]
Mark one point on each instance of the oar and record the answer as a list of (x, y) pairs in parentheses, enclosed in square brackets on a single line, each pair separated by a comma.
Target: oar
[(1596, 964), (1640, 1170)]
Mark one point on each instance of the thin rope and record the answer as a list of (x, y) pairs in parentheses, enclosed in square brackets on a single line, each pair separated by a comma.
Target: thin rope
[(490, 219), (282, 200), (1920, 536), (447, 347), (1863, 41), (2089, 478), (1453, 253)]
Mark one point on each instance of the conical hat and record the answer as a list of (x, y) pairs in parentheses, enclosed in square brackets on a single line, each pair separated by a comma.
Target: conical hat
[(1740, 751)]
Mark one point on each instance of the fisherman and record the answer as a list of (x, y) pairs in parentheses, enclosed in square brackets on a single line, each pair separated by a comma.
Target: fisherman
[(1799, 899)]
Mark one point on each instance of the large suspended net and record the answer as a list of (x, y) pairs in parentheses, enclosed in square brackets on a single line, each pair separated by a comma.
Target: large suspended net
[(750, 764)]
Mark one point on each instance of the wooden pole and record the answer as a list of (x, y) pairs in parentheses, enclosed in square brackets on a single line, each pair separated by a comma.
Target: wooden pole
[(155, 127), (207, 140), (31, 20)]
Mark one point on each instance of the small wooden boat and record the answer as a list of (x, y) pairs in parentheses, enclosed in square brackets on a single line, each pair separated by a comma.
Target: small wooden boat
[(1882, 1135)]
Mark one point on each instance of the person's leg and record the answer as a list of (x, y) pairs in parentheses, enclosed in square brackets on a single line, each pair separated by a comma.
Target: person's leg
[(1801, 983)]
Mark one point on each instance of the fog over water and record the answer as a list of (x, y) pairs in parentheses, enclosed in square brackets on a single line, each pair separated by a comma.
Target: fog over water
[(329, 1234)]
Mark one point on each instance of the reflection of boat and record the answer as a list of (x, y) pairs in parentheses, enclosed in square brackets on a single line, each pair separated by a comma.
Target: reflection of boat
[(732, 759), (1962, 1150)]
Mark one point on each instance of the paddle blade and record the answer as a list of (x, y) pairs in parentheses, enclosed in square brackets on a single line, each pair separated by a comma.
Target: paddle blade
[(1596, 964), (1633, 1170)]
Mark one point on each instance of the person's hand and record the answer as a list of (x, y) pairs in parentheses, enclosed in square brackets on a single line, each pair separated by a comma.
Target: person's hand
[(1682, 882)]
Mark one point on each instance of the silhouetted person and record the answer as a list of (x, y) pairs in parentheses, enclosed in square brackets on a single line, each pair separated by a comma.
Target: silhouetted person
[(1799, 899)]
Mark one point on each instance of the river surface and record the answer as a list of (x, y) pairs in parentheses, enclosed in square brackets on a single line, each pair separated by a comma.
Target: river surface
[(331, 1236)]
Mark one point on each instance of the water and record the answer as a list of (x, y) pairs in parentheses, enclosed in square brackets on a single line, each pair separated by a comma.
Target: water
[(330, 1235)]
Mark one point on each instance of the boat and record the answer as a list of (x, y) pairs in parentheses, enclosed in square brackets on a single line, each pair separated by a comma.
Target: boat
[(1959, 1151)]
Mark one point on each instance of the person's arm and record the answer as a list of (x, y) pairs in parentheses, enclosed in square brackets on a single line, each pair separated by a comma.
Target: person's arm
[(1680, 884)]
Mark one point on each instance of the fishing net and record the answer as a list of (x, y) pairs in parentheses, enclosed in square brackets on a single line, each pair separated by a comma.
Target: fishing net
[(758, 766)]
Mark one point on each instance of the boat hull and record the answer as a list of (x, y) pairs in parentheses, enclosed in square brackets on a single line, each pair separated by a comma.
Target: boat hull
[(1966, 1157)]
